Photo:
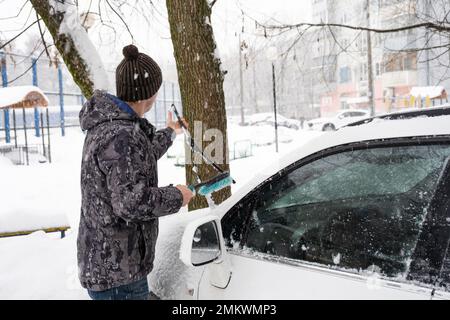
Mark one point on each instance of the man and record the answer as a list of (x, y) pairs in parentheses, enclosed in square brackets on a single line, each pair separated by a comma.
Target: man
[(121, 200)]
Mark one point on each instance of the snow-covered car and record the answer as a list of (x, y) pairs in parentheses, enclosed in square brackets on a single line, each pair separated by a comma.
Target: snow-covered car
[(343, 118), (361, 214), (268, 118)]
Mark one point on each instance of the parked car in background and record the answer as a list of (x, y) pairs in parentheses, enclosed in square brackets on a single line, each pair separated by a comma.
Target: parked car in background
[(268, 118), (361, 214), (341, 119)]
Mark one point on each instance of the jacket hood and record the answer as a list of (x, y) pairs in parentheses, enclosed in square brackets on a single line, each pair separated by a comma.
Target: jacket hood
[(103, 107)]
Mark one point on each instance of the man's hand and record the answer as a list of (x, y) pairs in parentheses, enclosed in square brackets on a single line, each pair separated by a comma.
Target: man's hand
[(175, 125), (186, 192)]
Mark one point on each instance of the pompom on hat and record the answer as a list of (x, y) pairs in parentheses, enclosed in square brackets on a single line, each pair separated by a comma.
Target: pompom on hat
[(138, 76)]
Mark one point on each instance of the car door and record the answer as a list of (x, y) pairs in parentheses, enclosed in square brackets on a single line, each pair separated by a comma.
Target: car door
[(431, 260), (343, 224)]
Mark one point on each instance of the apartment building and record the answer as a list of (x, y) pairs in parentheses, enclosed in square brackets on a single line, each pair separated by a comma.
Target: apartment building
[(397, 64)]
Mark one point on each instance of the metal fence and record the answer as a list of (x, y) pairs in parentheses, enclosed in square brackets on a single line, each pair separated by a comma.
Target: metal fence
[(20, 154), (65, 101), (65, 98)]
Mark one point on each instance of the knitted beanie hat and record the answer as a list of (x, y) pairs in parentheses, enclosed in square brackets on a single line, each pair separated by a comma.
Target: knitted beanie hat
[(138, 77)]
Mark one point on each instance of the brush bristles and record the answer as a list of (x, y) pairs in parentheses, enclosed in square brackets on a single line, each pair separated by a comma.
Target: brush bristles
[(219, 185)]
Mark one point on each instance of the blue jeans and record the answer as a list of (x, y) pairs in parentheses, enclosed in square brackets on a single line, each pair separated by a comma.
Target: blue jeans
[(133, 291)]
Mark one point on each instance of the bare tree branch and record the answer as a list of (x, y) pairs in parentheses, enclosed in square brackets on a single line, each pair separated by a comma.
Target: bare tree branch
[(121, 18), (213, 2), (42, 37), (29, 68), (18, 35), (18, 13), (426, 25)]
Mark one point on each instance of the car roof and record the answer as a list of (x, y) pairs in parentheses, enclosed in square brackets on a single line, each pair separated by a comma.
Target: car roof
[(353, 110), (377, 129), (408, 114)]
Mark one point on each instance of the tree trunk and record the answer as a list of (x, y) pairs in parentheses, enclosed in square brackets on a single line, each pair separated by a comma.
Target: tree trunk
[(201, 84), (68, 48)]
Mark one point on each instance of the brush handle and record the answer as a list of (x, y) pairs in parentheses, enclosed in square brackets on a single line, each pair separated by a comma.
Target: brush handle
[(192, 188), (192, 142), (178, 117)]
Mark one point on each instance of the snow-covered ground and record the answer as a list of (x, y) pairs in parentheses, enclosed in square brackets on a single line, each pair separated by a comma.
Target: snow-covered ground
[(42, 266)]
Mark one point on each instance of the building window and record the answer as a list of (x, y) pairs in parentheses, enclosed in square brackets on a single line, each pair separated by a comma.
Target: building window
[(378, 69), (363, 71), (345, 74), (400, 61), (410, 61), (327, 100)]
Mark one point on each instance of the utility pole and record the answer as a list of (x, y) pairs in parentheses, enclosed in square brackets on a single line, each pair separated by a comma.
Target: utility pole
[(254, 84), (370, 91), (275, 104), (427, 43), (312, 97), (241, 81)]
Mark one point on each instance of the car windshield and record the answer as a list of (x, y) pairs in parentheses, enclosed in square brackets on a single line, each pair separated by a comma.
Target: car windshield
[(359, 209), (360, 173)]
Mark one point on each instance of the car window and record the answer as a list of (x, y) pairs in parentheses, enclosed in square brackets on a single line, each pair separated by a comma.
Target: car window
[(431, 260), (357, 210), (358, 114)]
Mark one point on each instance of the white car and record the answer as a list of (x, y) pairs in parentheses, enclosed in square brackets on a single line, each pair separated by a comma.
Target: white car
[(343, 118), (362, 214), (268, 118)]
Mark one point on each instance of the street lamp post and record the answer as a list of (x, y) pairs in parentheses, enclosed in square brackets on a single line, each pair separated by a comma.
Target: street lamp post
[(241, 81), (275, 105), (272, 54)]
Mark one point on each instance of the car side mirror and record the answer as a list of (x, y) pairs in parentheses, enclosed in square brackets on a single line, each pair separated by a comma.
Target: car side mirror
[(201, 243)]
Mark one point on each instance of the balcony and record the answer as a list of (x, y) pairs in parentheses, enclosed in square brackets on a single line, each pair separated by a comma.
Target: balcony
[(399, 78)]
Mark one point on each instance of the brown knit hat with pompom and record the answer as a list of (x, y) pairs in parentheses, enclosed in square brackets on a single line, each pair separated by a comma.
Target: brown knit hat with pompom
[(138, 77)]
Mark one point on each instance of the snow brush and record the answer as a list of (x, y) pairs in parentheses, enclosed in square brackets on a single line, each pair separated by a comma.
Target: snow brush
[(221, 180)]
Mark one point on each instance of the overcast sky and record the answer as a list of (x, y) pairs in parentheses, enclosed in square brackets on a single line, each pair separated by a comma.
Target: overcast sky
[(154, 37)]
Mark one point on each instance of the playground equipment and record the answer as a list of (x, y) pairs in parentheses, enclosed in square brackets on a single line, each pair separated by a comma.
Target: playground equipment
[(24, 97)]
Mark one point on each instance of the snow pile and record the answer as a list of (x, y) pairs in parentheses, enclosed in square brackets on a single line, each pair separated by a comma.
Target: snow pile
[(5, 162), (260, 135), (42, 195), (30, 218), (42, 266), (12, 95), (431, 92), (39, 266), (72, 26)]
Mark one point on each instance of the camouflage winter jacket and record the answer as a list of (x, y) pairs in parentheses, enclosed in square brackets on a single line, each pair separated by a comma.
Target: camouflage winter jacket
[(121, 201)]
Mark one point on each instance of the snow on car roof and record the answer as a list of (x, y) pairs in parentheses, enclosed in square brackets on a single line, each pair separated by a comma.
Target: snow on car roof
[(353, 110), (415, 109), (378, 129)]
